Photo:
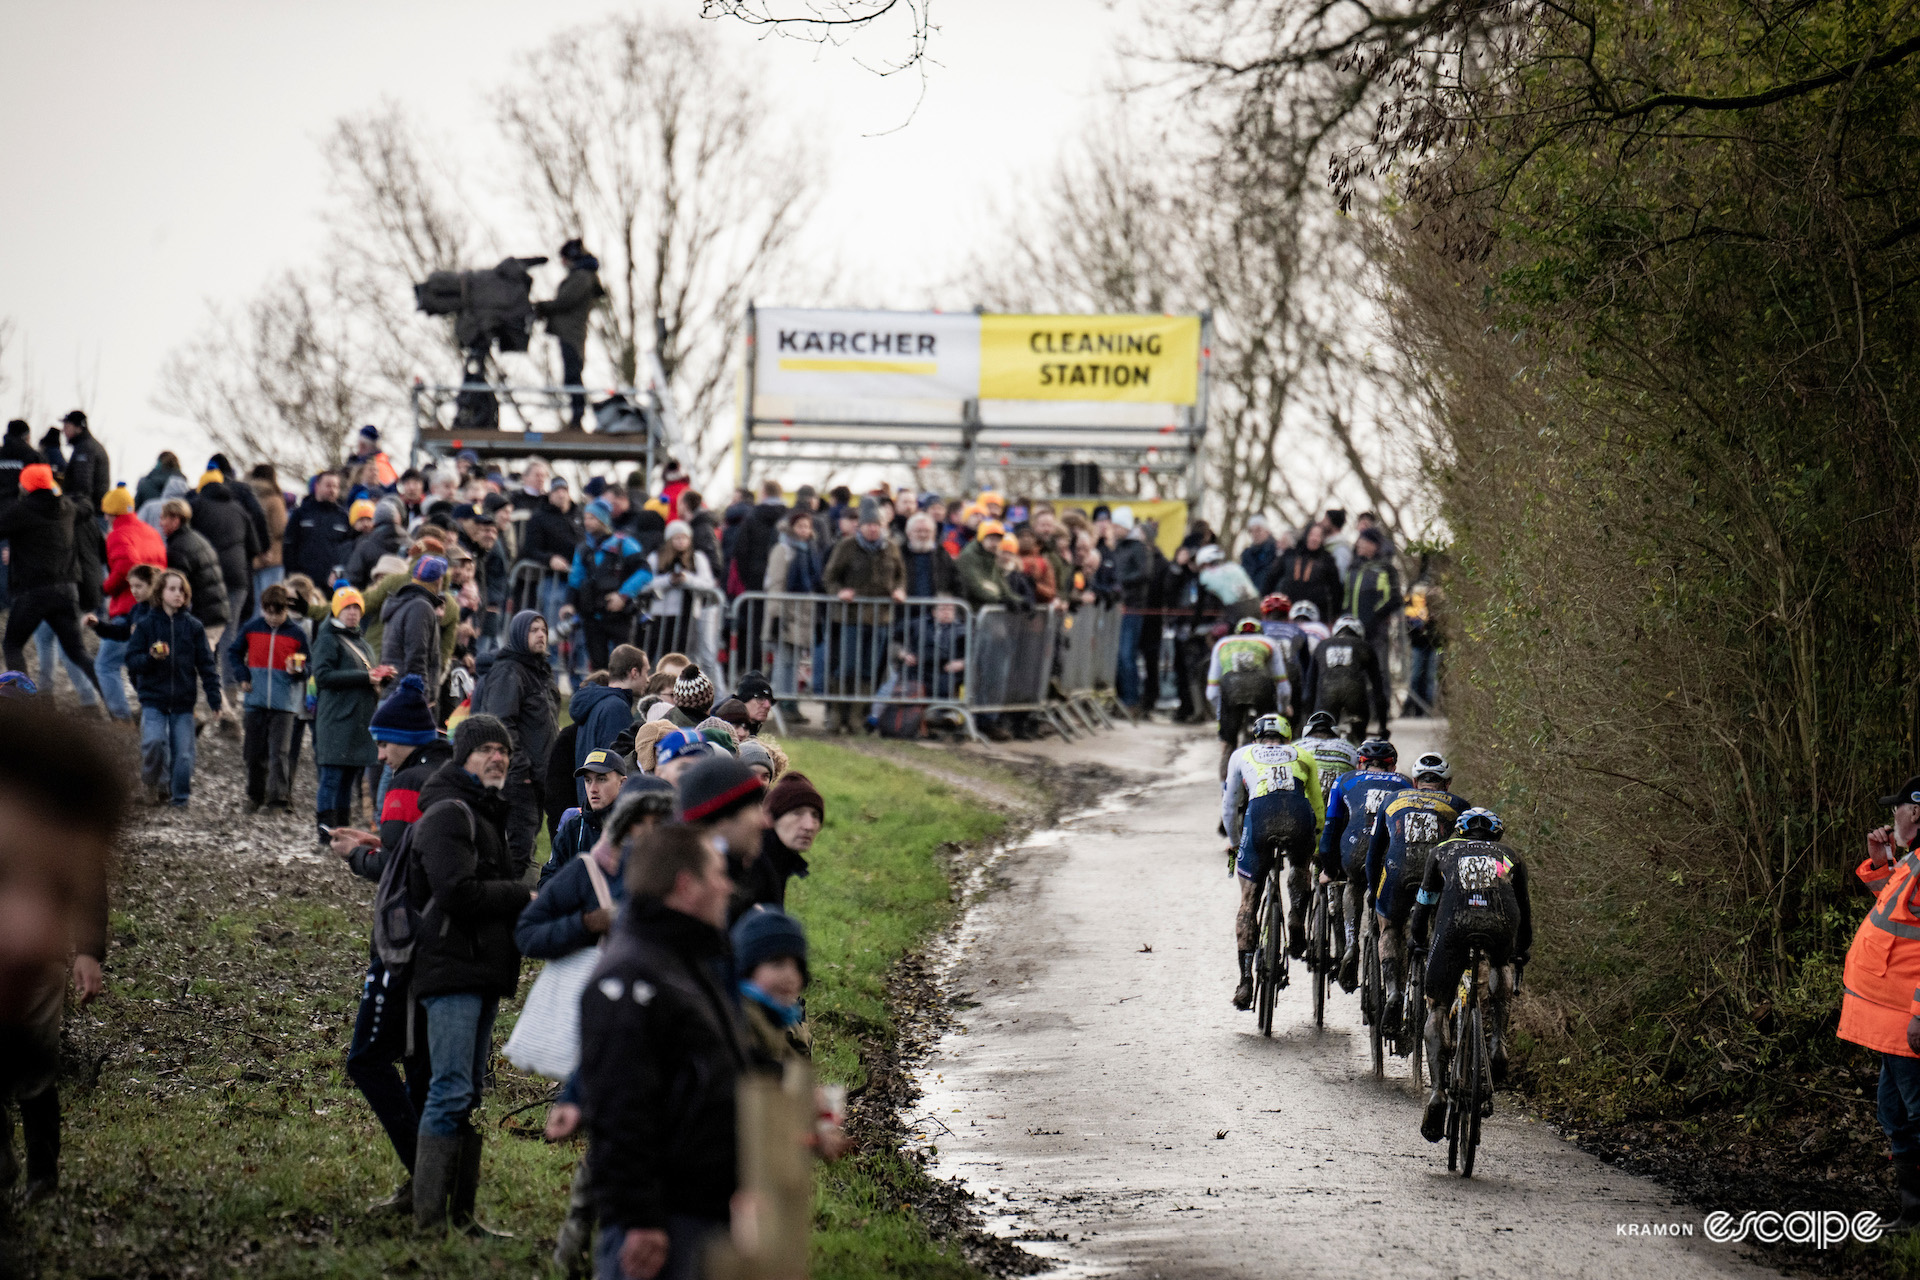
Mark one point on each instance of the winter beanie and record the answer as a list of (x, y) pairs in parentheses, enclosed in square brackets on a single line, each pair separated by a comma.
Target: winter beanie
[(693, 692), (869, 510), (360, 510), (389, 511), (38, 476), (767, 933), (475, 732), (602, 510), (209, 477), (118, 501), (716, 789), (794, 791), (430, 569), (404, 716), (346, 596)]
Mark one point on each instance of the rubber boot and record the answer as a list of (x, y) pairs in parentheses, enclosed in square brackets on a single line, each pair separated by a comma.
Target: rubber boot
[(1906, 1180), (466, 1189), (1433, 1123), (436, 1166), (40, 1126), (1243, 994), (400, 1203)]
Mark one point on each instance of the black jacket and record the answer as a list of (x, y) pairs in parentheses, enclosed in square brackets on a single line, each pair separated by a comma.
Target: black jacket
[(87, 473), (571, 306), (1133, 565), (661, 1050), (319, 539), (931, 573), (765, 881), (758, 535), (381, 540), (194, 556), (39, 532), (219, 517), (1308, 575), (16, 455), (464, 881), (519, 689), (551, 532)]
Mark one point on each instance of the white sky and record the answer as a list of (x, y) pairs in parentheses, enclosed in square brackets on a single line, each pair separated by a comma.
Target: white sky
[(160, 155)]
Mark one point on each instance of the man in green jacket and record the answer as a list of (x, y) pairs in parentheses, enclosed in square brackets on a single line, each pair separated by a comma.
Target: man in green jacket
[(980, 574), (865, 566)]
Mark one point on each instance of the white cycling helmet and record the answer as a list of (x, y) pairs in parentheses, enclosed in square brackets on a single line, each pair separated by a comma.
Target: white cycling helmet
[(1304, 611), (1209, 555), (1346, 624), (1432, 765)]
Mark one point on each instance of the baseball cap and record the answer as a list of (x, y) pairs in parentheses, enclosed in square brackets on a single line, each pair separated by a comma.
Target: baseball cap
[(1908, 794), (600, 761)]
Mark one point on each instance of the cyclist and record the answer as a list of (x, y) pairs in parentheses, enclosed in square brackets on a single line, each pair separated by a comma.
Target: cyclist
[(1305, 615), (1333, 753), (1345, 679), (1279, 785), (1246, 678), (1293, 642), (1353, 804), (1475, 893), (1410, 825)]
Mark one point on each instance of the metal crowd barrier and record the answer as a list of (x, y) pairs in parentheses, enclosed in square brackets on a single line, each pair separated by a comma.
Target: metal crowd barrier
[(875, 653), (1089, 662)]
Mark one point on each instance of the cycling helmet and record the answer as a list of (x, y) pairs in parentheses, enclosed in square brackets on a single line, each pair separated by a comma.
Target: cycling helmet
[(1270, 726), (1209, 555), (1320, 720), (1432, 765), (1378, 751), (1346, 624), (1275, 606), (1247, 626), (1304, 611), (1479, 824)]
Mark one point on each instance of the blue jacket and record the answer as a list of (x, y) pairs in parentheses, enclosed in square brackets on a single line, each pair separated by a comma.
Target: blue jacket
[(602, 714), (258, 657), (166, 683), (1352, 803), (550, 926), (615, 563)]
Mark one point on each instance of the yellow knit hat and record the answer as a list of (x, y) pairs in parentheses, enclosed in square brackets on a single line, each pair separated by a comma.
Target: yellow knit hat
[(346, 596), (210, 477), (361, 510), (118, 501)]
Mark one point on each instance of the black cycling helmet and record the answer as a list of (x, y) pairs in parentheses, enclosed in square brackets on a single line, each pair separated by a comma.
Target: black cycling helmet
[(1480, 824), (1432, 765), (1378, 751), (1320, 720)]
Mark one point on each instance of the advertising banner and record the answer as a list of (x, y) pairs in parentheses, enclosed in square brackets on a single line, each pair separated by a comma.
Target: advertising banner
[(1134, 359), (821, 355)]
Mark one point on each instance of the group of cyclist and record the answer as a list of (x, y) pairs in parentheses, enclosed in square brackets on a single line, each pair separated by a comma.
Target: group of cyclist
[(1430, 866)]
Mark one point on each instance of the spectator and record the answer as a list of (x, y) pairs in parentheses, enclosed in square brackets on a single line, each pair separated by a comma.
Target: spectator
[(152, 485), (795, 813), (608, 573), (412, 492), (553, 530), (368, 455), (930, 570), (692, 508), (755, 693), (268, 661), (1426, 638), (567, 314), (87, 475), (465, 879), (792, 569), (770, 955), (39, 531), (658, 1079), (1261, 556), (481, 538), (692, 697), (167, 649), (345, 678), (129, 543), (1039, 570), (1373, 594), (1133, 565), (149, 511), (268, 566), (408, 744), (600, 778), (759, 534), (688, 612), (319, 537), (519, 692), (1227, 582), (223, 522), (604, 711), (1309, 572), (386, 536), (726, 800), (981, 577), (864, 566), (535, 474), (676, 752), (243, 494), (1338, 547), (411, 621), (195, 557)]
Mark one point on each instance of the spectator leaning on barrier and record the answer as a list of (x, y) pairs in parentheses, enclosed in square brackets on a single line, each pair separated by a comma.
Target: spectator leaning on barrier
[(1880, 989), (608, 573), (792, 569), (864, 566)]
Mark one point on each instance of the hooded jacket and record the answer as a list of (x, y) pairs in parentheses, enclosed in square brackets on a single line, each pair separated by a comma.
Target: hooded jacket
[(602, 712), (131, 541), (464, 882), (662, 1048), (154, 484), (519, 690), (194, 556), (613, 563), (39, 532), (410, 633), (165, 683)]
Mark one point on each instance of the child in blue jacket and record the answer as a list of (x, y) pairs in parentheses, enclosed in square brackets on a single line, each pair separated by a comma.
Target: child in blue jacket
[(268, 658), (167, 650)]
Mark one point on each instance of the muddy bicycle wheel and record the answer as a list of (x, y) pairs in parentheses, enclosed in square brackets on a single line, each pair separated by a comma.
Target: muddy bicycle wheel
[(1266, 967), (1478, 1089), (1319, 953), (1373, 999)]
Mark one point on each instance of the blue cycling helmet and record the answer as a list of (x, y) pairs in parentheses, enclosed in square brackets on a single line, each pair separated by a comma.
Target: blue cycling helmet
[(1479, 824)]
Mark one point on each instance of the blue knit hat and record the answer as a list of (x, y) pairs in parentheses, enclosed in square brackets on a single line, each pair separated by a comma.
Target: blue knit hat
[(430, 569), (404, 716), (602, 510), (767, 933)]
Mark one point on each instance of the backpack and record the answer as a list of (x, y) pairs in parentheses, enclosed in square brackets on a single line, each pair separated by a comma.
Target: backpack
[(396, 924)]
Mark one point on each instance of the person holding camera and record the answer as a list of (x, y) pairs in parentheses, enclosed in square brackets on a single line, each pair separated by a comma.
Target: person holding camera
[(1880, 992)]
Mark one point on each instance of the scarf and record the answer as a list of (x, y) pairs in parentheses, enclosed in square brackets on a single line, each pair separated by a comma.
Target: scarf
[(787, 1015)]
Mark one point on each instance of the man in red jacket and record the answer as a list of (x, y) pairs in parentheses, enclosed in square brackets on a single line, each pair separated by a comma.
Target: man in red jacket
[(130, 541), (1880, 991)]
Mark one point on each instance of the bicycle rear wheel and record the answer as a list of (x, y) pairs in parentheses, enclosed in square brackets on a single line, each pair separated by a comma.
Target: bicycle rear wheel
[(1319, 944), (1272, 939), (1474, 1078), (1416, 1021), (1373, 998)]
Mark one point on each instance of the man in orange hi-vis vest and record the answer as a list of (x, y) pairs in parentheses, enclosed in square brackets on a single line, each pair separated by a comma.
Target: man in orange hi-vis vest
[(1880, 1000)]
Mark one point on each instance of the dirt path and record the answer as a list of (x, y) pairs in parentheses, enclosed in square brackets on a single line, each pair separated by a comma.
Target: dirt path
[(1106, 1103)]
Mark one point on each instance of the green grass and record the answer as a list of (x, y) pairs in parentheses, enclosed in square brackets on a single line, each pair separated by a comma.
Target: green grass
[(221, 1136)]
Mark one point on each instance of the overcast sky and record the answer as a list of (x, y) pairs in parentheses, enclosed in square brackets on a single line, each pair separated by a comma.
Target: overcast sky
[(161, 155)]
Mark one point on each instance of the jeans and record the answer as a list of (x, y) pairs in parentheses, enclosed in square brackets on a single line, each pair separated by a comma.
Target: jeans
[(166, 751), (109, 668), (786, 669), (1900, 1105), (459, 1041), (1423, 678), (379, 1042), (862, 655), (687, 1240), (46, 644), (264, 747), (335, 792), (1127, 678), (264, 578)]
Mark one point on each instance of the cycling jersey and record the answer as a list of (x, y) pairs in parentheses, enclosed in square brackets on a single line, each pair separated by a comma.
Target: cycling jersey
[(1410, 825), (1280, 787), (1345, 680), (1243, 660), (1476, 892), (1334, 754), (1354, 801)]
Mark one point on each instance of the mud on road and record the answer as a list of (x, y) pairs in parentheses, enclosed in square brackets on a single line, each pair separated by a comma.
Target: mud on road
[(1107, 1107)]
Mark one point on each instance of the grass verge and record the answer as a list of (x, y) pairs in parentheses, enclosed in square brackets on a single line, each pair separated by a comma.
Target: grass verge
[(210, 1127)]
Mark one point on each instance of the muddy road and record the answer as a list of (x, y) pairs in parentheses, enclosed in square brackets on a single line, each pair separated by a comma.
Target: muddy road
[(1108, 1106)]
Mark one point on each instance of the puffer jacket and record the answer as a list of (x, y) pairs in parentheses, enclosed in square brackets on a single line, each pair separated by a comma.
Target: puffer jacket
[(194, 556), (464, 883), (224, 523), (39, 530), (410, 633)]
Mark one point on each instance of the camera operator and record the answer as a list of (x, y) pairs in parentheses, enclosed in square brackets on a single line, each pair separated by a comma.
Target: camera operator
[(566, 314)]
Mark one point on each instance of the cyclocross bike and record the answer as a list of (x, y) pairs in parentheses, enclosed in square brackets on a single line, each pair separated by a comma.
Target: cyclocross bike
[(1321, 957), (1270, 957), (1470, 1074)]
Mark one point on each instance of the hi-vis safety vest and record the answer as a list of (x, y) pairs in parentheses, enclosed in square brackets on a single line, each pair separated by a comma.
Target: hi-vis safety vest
[(1881, 986)]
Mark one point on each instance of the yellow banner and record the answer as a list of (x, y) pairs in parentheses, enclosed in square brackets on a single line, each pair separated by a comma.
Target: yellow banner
[(1136, 359), (1170, 515)]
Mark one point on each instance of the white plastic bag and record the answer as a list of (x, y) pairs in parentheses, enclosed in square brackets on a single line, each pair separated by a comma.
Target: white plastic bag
[(546, 1039)]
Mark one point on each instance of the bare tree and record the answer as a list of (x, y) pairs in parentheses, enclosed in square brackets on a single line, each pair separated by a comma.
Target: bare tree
[(835, 21), (652, 144)]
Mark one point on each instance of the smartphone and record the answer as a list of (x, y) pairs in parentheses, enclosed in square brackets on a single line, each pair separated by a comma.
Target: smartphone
[(325, 830)]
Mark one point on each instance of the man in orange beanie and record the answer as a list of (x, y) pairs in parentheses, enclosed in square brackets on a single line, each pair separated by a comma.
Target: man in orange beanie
[(39, 532)]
